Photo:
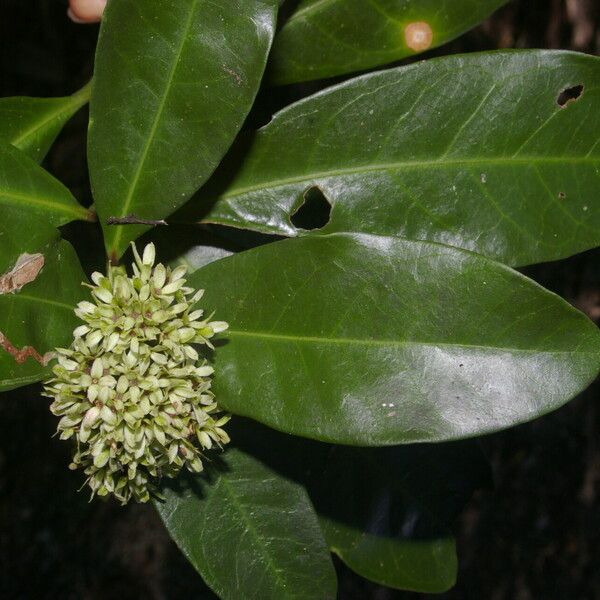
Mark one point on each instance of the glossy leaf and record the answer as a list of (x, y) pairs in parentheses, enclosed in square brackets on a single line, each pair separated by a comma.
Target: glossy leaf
[(369, 340), (173, 82), (32, 124), (251, 533), (385, 512), (41, 313), (323, 38), (473, 151), (188, 245), (33, 204)]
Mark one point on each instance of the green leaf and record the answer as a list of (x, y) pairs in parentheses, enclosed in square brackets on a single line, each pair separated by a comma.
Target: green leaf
[(251, 533), (33, 204), (41, 313), (173, 83), (323, 38), (32, 124), (38, 313), (378, 513), (386, 512), (472, 151), (368, 340)]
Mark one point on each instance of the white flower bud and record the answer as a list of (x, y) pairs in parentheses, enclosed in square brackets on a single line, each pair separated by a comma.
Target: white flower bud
[(149, 255)]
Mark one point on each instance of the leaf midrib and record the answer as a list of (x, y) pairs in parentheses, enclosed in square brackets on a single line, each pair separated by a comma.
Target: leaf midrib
[(6, 195), (157, 118), (284, 337), (237, 503), (21, 296), (302, 12), (435, 163), (76, 101)]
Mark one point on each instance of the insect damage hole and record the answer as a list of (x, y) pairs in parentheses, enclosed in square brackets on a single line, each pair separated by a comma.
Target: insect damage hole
[(570, 94), (314, 212)]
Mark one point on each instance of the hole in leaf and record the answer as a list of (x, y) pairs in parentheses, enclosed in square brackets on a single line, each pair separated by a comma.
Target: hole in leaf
[(314, 212), (569, 94), (562, 195)]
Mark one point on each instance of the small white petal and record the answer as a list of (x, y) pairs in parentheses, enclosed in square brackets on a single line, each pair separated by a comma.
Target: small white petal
[(149, 254), (196, 296), (80, 331), (218, 326), (101, 459), (112, 341), (92, 393), (172, 287), (204, 439), (69, 365), (122, 384), (91, 416), (108, 416), (178, 273), (97, 369), (161, 359), (136, 256), (93, 338), (86, 307), (204, 371), (160, 276), (103, 295)]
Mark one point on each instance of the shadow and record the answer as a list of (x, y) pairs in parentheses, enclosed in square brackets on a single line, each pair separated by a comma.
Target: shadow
[(412, 492)]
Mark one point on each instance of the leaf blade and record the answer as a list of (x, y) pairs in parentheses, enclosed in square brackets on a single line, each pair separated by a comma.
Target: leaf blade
[(154, 143), (406, 344), (262, 555), (32, 124), (41, 313), (33, 205), (323, 38), (487, 161)]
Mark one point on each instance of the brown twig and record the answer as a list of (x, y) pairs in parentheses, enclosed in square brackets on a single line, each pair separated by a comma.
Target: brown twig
[(133, 220), (21, 355)]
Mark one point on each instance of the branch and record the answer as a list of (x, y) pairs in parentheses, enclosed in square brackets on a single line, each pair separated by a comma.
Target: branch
[(133, 220)]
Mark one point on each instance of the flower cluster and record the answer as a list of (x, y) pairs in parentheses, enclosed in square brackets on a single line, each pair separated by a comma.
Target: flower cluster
[(131, 389)]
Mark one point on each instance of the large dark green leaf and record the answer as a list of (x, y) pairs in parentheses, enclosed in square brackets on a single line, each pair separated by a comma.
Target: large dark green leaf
[(32, 205), (385, 511), (40, 314), (173, 82), (35, 310), (473, 151), (370, 340), (32, 124), (251, 533), (323, 38)]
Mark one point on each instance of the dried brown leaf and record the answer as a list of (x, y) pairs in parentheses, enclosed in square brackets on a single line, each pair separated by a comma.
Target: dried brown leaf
[(25, 271)]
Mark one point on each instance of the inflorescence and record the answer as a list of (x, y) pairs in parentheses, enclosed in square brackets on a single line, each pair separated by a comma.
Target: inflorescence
[(131, 390)]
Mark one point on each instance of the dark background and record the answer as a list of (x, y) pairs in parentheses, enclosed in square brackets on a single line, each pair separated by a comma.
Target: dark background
[(536, 536)]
